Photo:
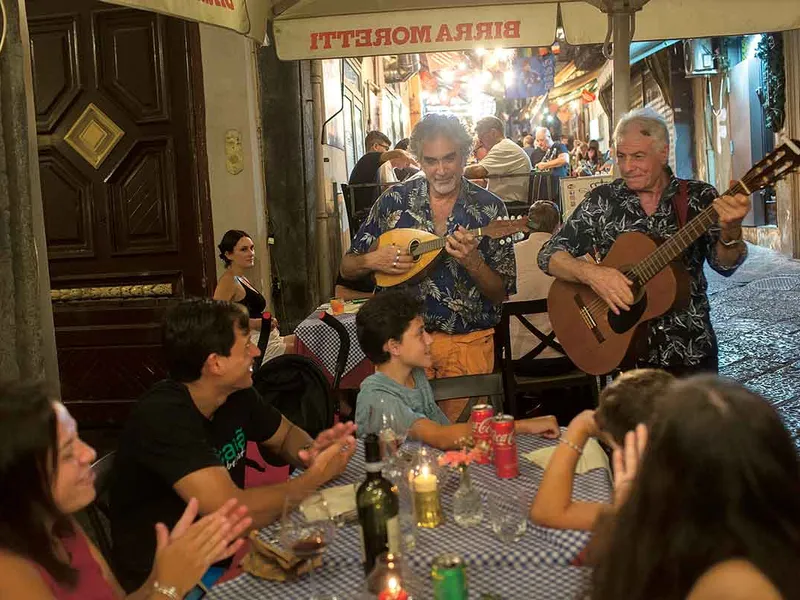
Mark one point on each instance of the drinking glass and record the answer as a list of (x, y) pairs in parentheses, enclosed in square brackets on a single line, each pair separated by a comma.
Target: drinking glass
[(508, 514), (307, 529), (391, 433)]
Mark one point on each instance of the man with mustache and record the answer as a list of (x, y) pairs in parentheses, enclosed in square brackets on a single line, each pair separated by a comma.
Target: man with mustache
[(463, 294)]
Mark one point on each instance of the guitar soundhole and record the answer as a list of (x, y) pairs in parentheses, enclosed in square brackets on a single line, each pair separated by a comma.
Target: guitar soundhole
[(626, 320), (412, 248)]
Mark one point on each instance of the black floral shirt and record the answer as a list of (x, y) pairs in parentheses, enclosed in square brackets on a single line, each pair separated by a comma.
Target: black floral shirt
[(683, 337)]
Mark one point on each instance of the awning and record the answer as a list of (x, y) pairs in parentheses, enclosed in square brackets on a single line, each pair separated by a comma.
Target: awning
[(248, 17), (339, 28), (663, 19)]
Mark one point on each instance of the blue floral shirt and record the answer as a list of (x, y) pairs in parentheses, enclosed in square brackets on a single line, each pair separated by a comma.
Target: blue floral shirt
[(453, 303)]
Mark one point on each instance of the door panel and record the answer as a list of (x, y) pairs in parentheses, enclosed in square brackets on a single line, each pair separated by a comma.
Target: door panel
[(117, 118)]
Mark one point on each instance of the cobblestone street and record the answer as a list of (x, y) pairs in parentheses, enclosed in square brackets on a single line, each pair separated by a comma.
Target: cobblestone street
[(756, 314)]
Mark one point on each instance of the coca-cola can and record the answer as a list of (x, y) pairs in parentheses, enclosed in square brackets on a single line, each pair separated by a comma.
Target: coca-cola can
[(481, 419), (504, 447)]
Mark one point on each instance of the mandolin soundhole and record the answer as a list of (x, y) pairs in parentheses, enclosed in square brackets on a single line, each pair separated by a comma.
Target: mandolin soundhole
[(412, 249)]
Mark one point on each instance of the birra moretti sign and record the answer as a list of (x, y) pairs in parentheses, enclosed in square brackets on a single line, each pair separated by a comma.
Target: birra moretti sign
[(408, 32)]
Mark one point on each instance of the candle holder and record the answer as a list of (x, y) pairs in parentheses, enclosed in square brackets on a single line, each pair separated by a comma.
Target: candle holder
[(392, 579), (425, 484)]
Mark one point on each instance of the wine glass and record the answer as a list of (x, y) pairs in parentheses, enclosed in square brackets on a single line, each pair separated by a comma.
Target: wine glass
[(391, 432), (307, 529)]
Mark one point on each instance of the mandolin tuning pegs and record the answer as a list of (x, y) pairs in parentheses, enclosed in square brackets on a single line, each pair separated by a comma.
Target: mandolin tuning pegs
[(503, 242)]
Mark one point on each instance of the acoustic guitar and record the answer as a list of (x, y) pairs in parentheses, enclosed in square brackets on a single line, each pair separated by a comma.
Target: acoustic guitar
[(597, 340), (426, 247)]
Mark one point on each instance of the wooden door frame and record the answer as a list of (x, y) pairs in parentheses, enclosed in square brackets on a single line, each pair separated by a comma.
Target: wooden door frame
[(197, 134), (199, 157)]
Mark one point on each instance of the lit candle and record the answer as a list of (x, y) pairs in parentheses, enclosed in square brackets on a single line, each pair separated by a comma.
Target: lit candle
[(425, 481), (427, 506), (393, 591)]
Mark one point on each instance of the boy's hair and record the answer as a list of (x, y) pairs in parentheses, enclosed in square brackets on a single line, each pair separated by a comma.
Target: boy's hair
[(385, 317), (629, 400)]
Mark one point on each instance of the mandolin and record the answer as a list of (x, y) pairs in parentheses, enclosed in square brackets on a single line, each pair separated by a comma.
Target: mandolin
[(425, 247), (597, 340)]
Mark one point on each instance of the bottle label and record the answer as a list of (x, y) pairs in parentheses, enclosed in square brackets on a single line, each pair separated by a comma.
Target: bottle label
[(394, 541)]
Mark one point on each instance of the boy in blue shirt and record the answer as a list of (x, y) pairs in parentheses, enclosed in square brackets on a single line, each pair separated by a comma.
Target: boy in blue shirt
[(392, 334)]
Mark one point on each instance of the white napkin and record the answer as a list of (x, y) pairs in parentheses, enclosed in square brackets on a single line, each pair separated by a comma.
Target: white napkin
[(340, 499), (592, 458)]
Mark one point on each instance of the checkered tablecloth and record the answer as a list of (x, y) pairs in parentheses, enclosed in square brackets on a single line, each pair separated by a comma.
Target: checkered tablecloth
[(508, 583), (536, 566), (323, 341)]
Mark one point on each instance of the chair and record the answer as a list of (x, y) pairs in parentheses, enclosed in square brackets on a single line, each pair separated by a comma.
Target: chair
[(515, 383), (98, 513), (474, 387), (344, 346)]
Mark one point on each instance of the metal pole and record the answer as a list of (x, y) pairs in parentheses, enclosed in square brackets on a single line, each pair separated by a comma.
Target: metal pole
[(622, 63), (323, 241)]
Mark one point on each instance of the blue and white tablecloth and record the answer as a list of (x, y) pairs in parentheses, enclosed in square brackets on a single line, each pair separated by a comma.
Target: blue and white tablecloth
[(536, 566), (323, 341)]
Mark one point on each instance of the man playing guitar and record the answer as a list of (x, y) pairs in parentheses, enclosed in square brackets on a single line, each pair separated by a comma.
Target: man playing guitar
[(650, 199)]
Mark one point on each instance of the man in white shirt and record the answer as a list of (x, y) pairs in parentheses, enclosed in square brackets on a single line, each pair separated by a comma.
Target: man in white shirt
[(534, 284), (504, 158)]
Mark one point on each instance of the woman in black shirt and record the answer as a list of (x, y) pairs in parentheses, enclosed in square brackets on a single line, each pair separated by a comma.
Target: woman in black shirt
[(237, 252)]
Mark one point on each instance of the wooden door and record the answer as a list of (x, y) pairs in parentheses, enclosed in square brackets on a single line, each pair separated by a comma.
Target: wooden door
[(126, 210)]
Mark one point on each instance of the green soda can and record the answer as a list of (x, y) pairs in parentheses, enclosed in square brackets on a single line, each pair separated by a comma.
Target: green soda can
[(449, 574)]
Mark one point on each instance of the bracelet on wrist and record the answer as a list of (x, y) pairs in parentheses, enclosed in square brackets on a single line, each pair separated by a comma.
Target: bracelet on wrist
[(732, 241), (575, 447), (168, 591)]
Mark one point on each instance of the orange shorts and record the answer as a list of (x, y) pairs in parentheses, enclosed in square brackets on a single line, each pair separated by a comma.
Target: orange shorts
[(463, 354)]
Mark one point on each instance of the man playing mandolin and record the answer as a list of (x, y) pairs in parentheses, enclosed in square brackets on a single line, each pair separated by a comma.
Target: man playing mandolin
[(650, 199), (464, 292)]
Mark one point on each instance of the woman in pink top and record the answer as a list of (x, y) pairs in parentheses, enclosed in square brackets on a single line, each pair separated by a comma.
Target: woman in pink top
[(45, 478)]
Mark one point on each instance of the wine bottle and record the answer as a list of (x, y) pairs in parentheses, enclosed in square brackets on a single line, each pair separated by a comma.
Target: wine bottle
[(378, 508)]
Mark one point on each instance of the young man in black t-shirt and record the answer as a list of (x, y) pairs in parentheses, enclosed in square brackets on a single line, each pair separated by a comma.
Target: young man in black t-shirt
[(187, 437)]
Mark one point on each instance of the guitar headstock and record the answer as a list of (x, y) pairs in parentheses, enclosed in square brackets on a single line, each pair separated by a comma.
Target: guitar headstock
[(508, 229), (779, 163)]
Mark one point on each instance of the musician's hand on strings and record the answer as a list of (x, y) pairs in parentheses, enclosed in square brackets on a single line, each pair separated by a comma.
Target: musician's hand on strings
[(391, 260), (611, 285), (463, 246)]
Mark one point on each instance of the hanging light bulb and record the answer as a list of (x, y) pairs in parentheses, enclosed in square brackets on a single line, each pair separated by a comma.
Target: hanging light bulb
[(486, 77), (508, 78), (480, 51), (448, 76)]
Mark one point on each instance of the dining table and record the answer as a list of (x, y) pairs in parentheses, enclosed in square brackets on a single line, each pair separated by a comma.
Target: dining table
[(537, 565)]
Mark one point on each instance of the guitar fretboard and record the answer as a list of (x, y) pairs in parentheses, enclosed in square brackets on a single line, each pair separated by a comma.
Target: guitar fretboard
[(674, 246)]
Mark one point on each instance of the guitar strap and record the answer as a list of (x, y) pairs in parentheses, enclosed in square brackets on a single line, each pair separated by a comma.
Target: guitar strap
[(680, 202)]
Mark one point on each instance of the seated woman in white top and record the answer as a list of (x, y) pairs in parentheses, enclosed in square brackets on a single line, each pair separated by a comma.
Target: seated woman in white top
[(714, 509)]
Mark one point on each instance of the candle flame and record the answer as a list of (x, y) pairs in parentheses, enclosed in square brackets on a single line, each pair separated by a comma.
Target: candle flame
[(425, 470), (393, 585)]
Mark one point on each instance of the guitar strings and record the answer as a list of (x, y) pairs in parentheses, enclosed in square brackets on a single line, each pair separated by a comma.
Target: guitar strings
[(644, 271)]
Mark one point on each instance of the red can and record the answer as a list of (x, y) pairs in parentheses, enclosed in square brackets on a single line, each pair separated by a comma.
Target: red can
[(481, 419), (504, 447)]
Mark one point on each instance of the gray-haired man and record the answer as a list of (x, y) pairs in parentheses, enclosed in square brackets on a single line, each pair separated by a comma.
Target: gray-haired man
[(463, 293), (650, 199)]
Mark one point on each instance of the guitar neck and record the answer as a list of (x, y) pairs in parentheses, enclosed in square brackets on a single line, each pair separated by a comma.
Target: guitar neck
[(674, 246)]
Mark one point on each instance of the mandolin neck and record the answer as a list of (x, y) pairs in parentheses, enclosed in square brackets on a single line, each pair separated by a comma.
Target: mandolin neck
[(437, 244)]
